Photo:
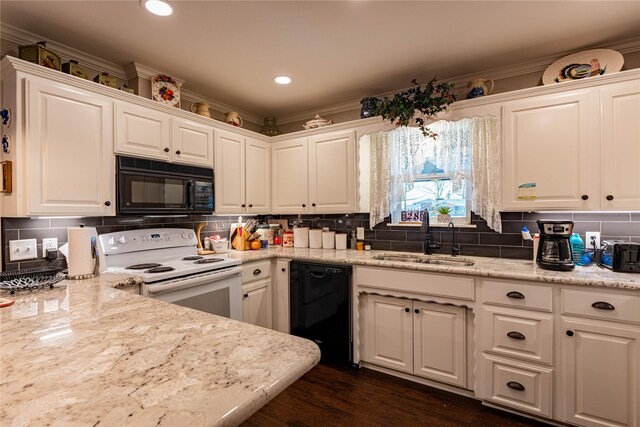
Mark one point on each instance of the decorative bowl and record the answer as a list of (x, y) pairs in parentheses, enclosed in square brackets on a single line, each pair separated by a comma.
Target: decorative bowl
[(317, 122)]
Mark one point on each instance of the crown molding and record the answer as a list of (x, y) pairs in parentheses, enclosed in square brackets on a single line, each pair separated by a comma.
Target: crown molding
[(191, 96), (537, 65), (22, 37), (134, 69)]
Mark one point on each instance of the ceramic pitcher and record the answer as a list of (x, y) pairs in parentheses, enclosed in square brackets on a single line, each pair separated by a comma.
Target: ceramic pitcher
[(200, 108), (478, 87), (233, 118)]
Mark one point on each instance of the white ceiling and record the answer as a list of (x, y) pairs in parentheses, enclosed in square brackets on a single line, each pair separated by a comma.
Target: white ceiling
[(336, 51)]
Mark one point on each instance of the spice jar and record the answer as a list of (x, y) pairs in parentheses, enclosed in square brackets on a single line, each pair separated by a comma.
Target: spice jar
[(287, 241)]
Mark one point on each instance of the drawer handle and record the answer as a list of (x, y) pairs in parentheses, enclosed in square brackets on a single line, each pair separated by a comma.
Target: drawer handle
[(515, 386), (257, 271), (515, 335), (603, 305), (515, 295)]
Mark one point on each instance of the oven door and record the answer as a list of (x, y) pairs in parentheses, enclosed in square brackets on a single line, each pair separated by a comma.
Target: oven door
[(217, 292)]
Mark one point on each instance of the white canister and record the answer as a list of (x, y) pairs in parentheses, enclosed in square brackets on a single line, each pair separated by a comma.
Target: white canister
[(315, 238), (328, 239), (341, 241), (301, 237)]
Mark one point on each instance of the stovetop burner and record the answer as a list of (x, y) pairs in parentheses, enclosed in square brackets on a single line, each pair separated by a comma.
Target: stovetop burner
[(160, 269), (192, 258), (143, 266), (208, 260)]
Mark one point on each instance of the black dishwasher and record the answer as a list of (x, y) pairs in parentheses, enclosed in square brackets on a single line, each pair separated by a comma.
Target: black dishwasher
[(320, 308)]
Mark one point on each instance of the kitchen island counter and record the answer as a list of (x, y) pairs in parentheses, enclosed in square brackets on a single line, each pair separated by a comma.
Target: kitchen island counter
[(483, 267), (86, 353)]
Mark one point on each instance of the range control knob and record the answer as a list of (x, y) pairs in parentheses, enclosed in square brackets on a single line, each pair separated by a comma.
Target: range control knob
[(122, 240), (185, 235), (111, 241), (191, 235)]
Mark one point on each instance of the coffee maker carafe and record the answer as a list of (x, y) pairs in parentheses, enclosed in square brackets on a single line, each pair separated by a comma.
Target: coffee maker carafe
[(554, 250)]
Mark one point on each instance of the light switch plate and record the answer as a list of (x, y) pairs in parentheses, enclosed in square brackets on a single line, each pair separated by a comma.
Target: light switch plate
[(588, 238), (22, 249)]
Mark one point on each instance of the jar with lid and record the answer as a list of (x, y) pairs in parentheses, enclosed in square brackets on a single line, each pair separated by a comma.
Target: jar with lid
[(263, 231), (287, 240)]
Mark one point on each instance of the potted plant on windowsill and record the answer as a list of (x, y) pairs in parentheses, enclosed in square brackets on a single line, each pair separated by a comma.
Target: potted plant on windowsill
[(444, 213), (427, 101)]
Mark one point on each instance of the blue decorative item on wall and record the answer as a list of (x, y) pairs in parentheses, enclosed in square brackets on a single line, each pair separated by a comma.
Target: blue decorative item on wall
[(5, 114), (6, 144)]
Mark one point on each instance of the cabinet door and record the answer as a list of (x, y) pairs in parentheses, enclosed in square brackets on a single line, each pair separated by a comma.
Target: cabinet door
[(142, 132), (281, 293), (601, 373), (70, 164), (549, 140), (192, 143), (229, 173), (388, 333), (258, 176), (439, 342), (332, 173), (290, 176), (621, 146), (256, 303)]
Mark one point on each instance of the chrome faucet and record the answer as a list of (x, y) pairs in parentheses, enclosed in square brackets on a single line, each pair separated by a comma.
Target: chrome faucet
[(455, 250), (429, 245)]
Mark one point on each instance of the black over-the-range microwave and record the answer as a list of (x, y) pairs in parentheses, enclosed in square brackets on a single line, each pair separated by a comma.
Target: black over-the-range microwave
[(159, 188)]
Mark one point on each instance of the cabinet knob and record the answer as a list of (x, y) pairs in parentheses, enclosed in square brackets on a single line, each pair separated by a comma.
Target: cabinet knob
[(570, 333), (243, 205), (585, 197), (603, 305), (257, 271), (304, 206), (416, 311), (515, 335), (245, 296), (250, 205), (107, 203), (609, 197), (177, 151), (284, 269), (313, 204), (407, 309), (514, 385), (515, 295), (166, 149)]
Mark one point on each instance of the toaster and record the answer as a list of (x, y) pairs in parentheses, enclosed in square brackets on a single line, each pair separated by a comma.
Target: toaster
[(620, 255)]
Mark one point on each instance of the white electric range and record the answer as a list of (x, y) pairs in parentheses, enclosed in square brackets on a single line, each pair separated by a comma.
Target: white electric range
[(166, 259)]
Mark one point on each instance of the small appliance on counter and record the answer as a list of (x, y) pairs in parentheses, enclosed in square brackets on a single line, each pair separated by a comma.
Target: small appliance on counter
[(621, 256), (554, 249)]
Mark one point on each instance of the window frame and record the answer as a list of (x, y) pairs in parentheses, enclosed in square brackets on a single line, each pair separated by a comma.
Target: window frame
[(466, 220)]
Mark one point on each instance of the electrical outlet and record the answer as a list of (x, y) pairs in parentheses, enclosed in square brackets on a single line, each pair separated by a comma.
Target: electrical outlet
[(22, 249), (590, 237), (51, 243)]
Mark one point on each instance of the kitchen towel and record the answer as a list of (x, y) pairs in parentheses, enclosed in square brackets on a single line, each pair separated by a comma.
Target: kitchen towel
[(81, 259)]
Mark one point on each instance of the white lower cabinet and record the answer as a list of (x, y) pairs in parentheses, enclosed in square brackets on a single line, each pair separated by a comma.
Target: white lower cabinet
[(600, 359), (257, 306), (424, 339)]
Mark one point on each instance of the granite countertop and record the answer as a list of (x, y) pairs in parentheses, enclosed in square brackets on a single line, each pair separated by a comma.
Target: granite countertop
[(483, 267), (85, 353)]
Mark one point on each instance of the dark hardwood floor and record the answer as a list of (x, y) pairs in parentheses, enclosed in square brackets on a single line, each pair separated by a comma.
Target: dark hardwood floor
[(336, 396)]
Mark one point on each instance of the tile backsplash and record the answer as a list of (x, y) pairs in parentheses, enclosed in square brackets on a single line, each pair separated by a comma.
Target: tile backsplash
[(478, 241)]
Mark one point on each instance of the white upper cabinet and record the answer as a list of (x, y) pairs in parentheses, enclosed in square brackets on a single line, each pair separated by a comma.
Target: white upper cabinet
[(290, 176), (549, 141), (242, 174), (192, 143), (332, 172), (69, 165), (620, 108), (143, 132)]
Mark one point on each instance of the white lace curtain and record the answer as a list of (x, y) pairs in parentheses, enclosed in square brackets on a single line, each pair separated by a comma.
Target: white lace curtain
[(464, 149)]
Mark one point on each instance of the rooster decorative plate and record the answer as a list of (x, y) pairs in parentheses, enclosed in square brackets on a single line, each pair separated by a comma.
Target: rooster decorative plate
[(582, 65), (165, 90)]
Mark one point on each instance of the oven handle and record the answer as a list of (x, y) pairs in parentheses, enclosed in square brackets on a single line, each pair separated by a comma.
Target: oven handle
[(189, 282)]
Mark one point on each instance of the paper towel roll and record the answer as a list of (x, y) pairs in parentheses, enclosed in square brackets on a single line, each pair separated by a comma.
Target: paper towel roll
[(301, 237), (81, 259)]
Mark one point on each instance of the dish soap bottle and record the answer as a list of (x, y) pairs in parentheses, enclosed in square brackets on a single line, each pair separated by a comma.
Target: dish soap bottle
[(577, 248)]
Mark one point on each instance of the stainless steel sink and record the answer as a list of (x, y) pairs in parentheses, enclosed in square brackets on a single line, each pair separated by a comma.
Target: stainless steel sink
[(425, 259)]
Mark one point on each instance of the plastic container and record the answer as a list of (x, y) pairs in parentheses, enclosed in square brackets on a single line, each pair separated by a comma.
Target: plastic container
[(341, 241), (315, 238), (577, 248), (301, 237), (328, 239)]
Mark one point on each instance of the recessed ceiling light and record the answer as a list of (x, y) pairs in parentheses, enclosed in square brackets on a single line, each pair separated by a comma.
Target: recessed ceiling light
[(282, 80), (158, 7)]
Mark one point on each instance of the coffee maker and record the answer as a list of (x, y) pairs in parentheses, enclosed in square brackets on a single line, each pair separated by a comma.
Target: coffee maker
[(554, 250)]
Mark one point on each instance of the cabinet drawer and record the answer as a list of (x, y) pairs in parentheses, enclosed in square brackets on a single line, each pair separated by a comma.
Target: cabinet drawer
[(518, 333), (613, 306), (256, 271), (517, 295), (416, 282), (518, 385)]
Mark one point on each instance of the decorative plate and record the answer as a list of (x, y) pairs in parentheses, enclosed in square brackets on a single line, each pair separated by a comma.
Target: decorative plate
[(165, 90), (582, 65)]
